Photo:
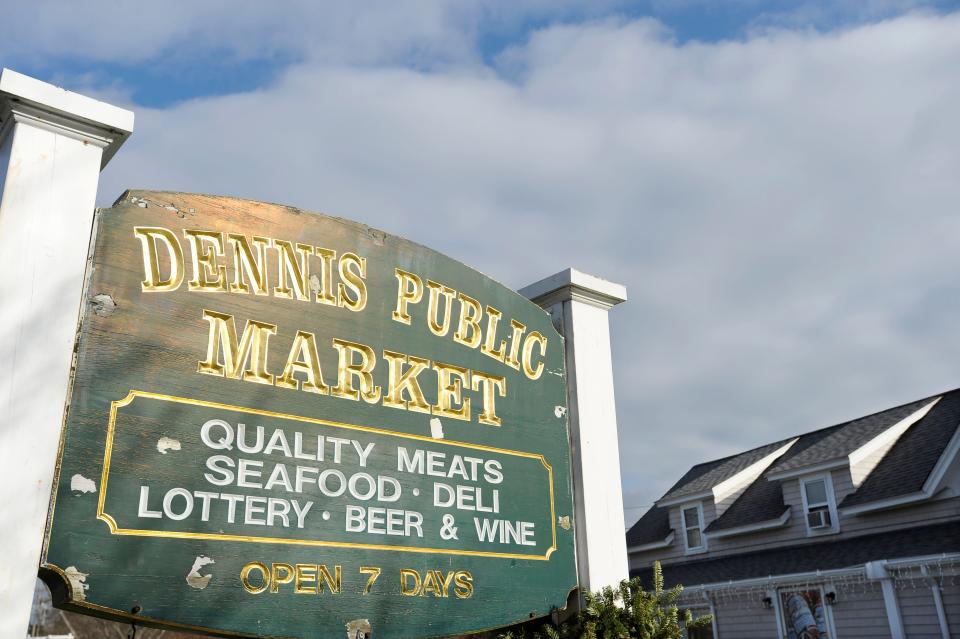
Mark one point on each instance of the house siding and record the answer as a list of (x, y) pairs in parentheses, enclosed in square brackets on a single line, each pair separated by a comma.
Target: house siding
[(746, 623), (857, 613), (918, 611), (931, 512), (862, 615), (795, 531), (951, 605)]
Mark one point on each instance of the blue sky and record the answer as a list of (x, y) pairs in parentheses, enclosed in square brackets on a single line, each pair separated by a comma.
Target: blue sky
[(774, 182), (186, 68)]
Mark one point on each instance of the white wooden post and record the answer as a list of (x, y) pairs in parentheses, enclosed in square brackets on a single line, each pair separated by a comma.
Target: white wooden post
[(579, 305), (53, 144)]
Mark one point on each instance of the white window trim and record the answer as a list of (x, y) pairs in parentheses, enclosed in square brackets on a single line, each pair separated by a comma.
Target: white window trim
[(683, 527), (831, 505)]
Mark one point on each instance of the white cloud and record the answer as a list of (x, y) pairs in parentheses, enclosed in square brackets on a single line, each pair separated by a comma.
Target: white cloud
[(428, 33), (782, 209)]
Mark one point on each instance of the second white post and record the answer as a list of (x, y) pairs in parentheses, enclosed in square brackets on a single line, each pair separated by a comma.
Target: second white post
[(579, 305)]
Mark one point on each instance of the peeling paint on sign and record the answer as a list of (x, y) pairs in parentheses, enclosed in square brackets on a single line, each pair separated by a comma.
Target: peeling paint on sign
[(359, 629), (103, 305), (436, 428), (559, 411), (194, 578), (167, 443), (77, 582), (80, 484)]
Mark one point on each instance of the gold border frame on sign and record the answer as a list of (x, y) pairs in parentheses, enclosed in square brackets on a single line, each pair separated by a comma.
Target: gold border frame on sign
[(134, 394)]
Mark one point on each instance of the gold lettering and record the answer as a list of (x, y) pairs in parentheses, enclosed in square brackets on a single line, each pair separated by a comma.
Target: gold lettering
[(432, 583), (152, 282), (303, 359), (245, 577), (354, 282), (463, 584), (305, 573), (450, 382), (433, 307), (532, 340), (245, 263), (406, 588), (406, 294), (253, 346), (325, 294), (405, 380), (513, 357), (374, 574), (208, 273), (348, 370), (277, 579), (296, 269), (490, 336), (468, 331), (491, 386), (334, 582)]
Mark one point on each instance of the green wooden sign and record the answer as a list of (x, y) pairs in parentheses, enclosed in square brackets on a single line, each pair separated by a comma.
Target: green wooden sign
[(290, 425)]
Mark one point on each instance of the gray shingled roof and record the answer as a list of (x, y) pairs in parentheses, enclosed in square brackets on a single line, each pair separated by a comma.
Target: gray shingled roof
[(763, 499), (703, 477), (653, 526), (903, 470), (827, 555), (907, 466), (848, 436)]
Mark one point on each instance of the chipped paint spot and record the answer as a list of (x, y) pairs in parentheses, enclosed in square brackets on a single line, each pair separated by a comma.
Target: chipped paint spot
[(378, 236), (314, 284), (436, 428), (559, 411), (80, 484), (167, 443), (557, 373), (564, 522), (194, 578), (77, 582), (359, 629), (103, 305), (175, 210)]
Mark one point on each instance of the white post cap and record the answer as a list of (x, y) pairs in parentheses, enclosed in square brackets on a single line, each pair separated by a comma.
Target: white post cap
[(576, 285), (66, 112)]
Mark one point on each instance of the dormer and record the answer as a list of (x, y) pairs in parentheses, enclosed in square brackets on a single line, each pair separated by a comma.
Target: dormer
[(723, 481)]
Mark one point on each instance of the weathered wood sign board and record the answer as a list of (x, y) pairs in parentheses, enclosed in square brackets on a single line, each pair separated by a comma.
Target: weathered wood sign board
[(287, 424)]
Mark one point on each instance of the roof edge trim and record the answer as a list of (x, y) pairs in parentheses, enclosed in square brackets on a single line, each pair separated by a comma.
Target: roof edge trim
[(839, 462), (883, 504), (683, 499), (767, 524), (653, 545)]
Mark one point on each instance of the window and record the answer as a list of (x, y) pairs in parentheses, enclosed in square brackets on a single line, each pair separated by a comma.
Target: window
[(693, 537), (804, 615), (819, 507)]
